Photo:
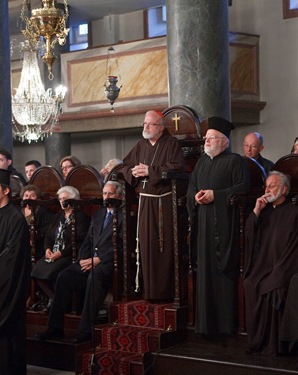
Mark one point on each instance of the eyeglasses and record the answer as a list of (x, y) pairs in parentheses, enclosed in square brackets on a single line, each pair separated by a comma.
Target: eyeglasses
[(150, 124), (245, 145), (212, 137), (66, 167)]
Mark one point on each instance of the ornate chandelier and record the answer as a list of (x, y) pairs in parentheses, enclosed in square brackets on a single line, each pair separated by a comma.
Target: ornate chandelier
[(111, 90), (35, 111), (47, 24)]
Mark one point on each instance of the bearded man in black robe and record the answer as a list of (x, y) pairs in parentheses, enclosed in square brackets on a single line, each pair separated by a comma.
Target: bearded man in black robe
[(15, 264), (217, 176), (143, 167), (271, 259)]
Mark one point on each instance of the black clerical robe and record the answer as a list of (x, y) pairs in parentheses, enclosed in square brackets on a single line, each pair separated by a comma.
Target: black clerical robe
[(265, 163), (15, 264), (155, 220), (271, 259), (216, 241)]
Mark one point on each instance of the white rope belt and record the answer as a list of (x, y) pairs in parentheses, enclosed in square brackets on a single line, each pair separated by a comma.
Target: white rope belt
[(155, 196), (160, 226)]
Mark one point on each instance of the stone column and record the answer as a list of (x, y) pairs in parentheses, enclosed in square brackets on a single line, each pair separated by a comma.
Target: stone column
[(5, 85), (198, 56), (57, 146)]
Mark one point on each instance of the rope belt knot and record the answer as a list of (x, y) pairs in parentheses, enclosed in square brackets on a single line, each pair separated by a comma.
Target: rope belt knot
[(160, 229)]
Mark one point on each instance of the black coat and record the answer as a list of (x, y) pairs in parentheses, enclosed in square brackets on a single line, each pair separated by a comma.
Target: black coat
[(15, 264), (50, 271)]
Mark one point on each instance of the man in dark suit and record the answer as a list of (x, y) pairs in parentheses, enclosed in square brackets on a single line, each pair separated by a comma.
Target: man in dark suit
[(96, 253)]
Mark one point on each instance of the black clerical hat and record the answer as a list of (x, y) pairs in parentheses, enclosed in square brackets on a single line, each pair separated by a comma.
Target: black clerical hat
[(5, 177), (220, 124)]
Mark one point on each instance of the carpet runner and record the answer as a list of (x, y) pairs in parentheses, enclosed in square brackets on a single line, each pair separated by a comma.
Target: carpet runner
[(109, 362), (139, 328)]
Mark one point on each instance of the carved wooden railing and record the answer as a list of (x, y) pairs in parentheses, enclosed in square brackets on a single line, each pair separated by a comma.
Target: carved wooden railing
[(53, 204)]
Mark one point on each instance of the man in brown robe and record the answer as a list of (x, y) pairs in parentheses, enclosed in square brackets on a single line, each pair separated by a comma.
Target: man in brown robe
[(143, 167), (271, 259)]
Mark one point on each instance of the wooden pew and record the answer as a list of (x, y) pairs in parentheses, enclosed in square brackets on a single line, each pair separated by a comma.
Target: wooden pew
[(245, 204), (288, 164), (89, 183), (49, 181), (129, 212), (16, 186), (184, 124)]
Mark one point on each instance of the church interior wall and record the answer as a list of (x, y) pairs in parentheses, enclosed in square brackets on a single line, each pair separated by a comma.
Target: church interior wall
[(278, 53), (106, 32), (278, 87)]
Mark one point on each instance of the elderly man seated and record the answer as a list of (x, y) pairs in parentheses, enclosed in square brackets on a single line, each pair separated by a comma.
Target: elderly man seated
[(271, 259), (91, 275)]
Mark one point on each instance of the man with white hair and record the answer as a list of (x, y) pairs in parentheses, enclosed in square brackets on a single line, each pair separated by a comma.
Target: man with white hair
[(91, 275), (217, 176), (143, 168), (271, 259)]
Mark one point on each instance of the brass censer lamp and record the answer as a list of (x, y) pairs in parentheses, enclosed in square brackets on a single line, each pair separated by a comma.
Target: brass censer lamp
[(47, 24)]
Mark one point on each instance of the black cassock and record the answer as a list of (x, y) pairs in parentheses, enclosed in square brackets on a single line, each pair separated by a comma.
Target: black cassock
[(155, 214), (15, 264), (271, 259), (215, 231)]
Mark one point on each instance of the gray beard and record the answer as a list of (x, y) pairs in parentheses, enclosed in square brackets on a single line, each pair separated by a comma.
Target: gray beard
[(210, 154), (275, 197), (146, 135)]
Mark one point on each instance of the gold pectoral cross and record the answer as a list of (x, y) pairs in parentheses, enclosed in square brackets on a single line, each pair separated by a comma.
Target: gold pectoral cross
[(176, 119)]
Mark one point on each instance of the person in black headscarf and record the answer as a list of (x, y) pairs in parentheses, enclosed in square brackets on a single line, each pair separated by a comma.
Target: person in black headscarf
[(15, 264), (218, 175)]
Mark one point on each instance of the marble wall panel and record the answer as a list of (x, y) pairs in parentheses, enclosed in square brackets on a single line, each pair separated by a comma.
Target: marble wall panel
[(142, 74), (243, 69)]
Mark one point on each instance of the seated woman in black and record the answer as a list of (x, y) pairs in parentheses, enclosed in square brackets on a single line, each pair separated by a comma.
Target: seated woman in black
[(58, 243), (41, 217)]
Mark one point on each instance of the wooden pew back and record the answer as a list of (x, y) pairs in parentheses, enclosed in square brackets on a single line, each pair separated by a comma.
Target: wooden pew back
[(288, 164)]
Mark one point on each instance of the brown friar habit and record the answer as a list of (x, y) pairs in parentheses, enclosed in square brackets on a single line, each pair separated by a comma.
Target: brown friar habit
[(215, 241), (15, 264), (271, 259), (157, 262)]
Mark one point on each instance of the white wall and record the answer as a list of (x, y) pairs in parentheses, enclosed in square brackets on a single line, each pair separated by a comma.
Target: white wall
[(115, 29), (278, 73)]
